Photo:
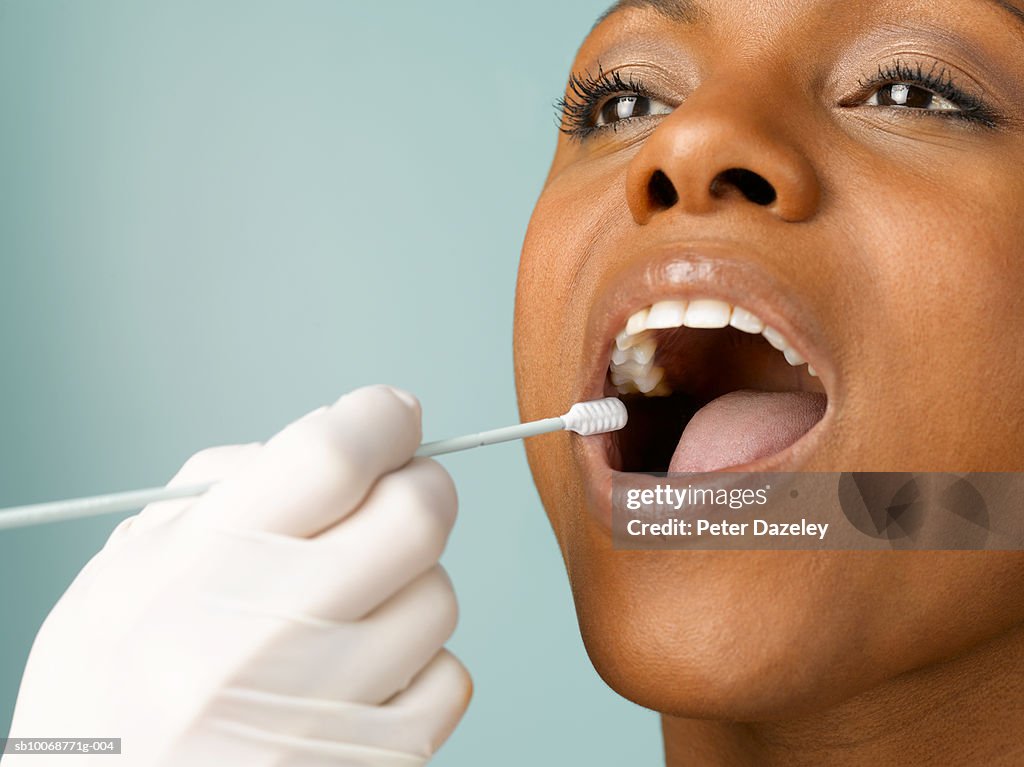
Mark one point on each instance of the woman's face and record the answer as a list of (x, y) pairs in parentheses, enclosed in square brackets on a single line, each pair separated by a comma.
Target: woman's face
[(850, 174)]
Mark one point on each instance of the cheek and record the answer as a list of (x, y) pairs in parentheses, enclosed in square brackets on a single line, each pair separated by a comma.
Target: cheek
[(538, 296), (558, 270), (536, 343), (930, 355)]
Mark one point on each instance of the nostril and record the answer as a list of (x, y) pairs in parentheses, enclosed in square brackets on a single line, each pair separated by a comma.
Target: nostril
[(752, 186), (661, 191)]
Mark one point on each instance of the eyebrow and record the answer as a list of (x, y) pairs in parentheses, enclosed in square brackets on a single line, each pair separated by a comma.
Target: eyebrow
[(690, 11), (1006, 5)]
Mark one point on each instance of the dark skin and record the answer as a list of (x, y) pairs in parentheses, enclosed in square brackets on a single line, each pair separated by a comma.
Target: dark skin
[(898, 225)]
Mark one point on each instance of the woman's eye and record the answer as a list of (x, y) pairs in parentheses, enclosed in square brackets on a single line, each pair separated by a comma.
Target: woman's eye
[(619, 108), (911, 97)]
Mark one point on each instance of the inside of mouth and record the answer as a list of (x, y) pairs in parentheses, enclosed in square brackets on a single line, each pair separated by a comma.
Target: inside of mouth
[(726, 398)]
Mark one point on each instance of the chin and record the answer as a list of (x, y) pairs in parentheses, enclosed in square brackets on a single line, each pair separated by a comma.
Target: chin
[(742, 636)]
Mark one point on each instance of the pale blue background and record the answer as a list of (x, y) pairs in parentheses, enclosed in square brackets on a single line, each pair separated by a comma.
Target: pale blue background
[(215, 216)]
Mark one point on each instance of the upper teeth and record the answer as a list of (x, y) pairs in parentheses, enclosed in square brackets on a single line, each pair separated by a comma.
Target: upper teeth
[(632, 367)]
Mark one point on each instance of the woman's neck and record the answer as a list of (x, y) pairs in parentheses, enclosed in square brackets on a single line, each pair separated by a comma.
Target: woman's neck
[(968, 710)]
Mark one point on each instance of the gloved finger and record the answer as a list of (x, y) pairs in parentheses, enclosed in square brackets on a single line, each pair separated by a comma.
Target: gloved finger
[(213, 464), (209, 465), (396, 535), (416, 721), (316, 471), (432, 704), (367, 661)]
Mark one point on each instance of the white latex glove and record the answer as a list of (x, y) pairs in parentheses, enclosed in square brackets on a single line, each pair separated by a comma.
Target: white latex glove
[(294, 615)]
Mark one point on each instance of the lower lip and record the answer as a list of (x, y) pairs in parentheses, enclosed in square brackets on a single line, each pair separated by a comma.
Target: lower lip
[(592, 461)]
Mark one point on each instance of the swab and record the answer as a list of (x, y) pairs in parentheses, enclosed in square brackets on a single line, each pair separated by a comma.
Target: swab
[(584, 418)]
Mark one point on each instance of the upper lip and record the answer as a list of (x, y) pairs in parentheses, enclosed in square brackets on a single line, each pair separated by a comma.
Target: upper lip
[(715, 270)]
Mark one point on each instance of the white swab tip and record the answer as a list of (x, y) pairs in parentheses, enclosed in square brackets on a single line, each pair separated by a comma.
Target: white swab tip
[(596, 417)]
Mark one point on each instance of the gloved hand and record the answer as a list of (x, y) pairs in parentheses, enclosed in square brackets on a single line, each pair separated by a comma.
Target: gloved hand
[(294, 615)]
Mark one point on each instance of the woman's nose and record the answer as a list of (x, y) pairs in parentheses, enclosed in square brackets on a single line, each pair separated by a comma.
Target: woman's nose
[(719, 150)]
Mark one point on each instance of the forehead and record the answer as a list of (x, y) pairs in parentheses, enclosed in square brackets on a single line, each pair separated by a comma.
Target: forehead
[(801, 31), (691, 11)]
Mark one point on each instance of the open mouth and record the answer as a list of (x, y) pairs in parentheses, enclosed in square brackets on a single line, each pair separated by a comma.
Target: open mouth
[(708, 386)]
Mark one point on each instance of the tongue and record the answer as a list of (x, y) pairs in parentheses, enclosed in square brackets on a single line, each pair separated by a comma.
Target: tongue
[(743, 426)]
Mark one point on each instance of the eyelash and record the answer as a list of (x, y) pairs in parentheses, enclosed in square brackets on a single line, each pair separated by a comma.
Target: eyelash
[(937, 80), (577, 108), (585, 93)]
